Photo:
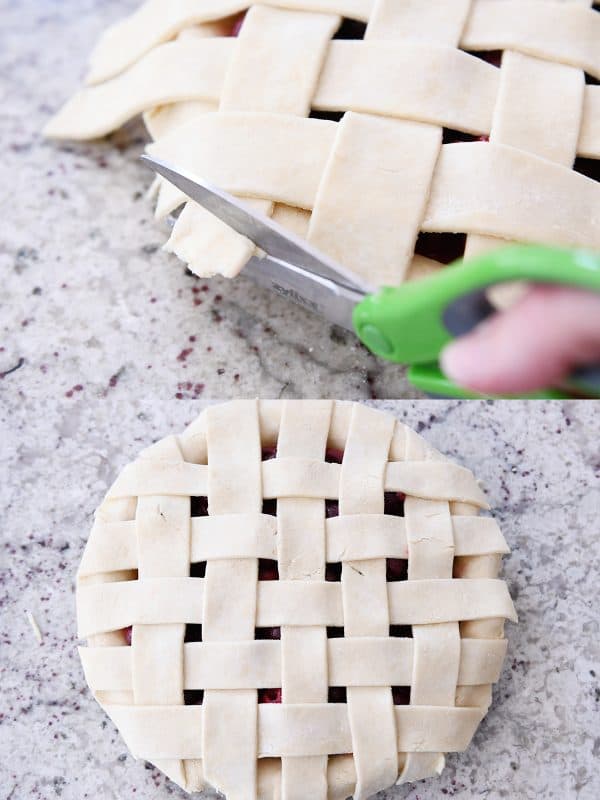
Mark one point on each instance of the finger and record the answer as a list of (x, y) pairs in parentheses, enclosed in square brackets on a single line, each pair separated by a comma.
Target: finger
[(537, 343)]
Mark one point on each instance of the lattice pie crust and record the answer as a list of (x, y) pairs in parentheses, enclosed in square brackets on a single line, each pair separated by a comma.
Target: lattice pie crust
[(235, 111), (331, 558)]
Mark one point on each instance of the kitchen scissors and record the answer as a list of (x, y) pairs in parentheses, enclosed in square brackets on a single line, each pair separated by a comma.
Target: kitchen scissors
[(409, 324)]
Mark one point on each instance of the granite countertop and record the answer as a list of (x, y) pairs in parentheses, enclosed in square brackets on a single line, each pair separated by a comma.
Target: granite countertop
[(108, 344), (92, 299), (540, 465)]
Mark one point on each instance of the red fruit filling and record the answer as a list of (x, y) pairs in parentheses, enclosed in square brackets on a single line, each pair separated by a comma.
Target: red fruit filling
[(198, 570), (401, 695), (351, 29), (590, 167), (193, 632), (337, 694), (127, 633), (193, 697), (396, 569), (199, 506), (330, 116), (393, 504), (454, 137), (401, 631), (332, 508), (493, 57), (268, 570), (237, 23), (270, 507), (267, 633), (442, 247), (334, 455), (269, 695)]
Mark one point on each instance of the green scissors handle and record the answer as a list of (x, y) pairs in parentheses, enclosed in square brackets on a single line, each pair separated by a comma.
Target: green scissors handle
[(411, 324)]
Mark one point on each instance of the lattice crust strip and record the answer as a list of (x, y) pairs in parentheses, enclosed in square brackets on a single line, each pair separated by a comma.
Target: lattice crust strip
[(385, 189), (310, 599)]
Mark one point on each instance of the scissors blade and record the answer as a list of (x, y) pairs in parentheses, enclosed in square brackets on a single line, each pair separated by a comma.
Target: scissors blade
[(276, 241), (322, 296)]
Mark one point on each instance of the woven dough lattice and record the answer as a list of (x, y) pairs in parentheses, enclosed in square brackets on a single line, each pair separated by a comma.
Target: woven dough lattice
[(435, 140), (311, 601)]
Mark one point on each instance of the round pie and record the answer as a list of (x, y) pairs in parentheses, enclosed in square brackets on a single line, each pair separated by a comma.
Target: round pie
[(396, 136), (293, 599)]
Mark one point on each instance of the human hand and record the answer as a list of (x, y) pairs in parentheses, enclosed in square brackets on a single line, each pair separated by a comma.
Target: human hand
[(537, 343)]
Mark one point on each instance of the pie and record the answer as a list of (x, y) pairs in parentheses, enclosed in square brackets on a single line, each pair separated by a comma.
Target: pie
[(395, 136), (293, 599)]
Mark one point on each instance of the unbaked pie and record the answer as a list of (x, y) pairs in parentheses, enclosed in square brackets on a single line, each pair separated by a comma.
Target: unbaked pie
[(394, 135), (293, 599)]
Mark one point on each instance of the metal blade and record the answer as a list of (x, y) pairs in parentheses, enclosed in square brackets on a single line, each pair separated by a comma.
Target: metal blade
[(275, 240), (320, 295)]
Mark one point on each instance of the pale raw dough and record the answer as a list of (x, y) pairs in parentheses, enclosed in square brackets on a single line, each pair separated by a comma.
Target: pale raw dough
[(381, 177), (135, 571)]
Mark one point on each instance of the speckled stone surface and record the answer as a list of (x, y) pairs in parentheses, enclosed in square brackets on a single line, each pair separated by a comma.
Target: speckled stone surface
[(92, 298), (540, 466), (107, 345)]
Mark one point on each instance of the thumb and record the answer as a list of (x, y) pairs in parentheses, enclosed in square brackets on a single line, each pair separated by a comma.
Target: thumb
[(535, 344)]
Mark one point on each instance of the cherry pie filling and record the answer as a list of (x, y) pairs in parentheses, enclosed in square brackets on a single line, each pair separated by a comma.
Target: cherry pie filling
[(268, 570)]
